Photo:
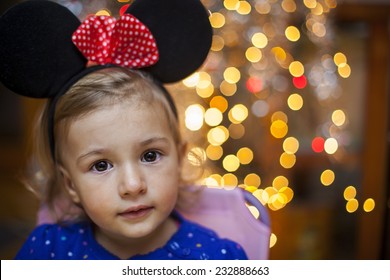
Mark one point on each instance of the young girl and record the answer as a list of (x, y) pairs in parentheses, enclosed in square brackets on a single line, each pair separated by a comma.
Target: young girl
[(109, 142), (119, 156)]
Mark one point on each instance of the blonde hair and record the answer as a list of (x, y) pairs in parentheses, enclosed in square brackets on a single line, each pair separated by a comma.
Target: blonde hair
[(96, 90)]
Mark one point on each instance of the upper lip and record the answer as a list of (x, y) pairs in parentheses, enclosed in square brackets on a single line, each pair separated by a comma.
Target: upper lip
[(135, 209)]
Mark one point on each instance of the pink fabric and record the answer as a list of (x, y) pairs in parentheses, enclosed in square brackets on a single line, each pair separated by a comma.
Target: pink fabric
[(225, 212)]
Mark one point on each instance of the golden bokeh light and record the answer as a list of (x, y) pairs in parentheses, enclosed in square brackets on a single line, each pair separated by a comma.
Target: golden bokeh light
[(220, 103), (218, 43), (252, 179), (238, 113), (279, 129), (232, 75), (217, 20), (369, 205), (344, 71), (218, 135), (213, 116), (287, 160), (214, 152), (203, 91), (244, 8), (327, 177), (192, 80), (245, 155), (231, 163), (194, 115), (289, 6), (259, 40), (352, 205), (272, 240), (103, 12), (311, 4), (253, 54), (280, 182), (292, 33), (338, 117), (340, 59), (231, 5), (349, 193), (229, 179), (227, 89), (290, 145), (295, 102), (279, 115), (296, 69)]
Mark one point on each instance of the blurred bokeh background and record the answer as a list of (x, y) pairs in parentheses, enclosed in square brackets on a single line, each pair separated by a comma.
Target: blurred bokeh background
[(292, 104)]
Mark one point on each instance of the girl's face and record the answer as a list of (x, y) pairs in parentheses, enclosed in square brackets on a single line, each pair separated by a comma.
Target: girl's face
[(122, 165)]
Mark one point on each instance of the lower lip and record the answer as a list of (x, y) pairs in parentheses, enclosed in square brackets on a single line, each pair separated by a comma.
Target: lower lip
[(136, 214)]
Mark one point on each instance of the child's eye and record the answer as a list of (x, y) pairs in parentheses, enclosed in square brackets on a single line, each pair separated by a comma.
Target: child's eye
[(101, 166), (150, 156)]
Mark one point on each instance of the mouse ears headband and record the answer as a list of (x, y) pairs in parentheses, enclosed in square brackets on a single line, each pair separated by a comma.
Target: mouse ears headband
[(44, 48)]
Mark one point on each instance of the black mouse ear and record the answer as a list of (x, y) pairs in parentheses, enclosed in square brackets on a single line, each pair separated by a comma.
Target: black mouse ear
[(183, 34), (37, 56)]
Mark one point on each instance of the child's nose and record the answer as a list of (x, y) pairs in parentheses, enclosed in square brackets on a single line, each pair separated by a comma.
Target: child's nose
[(132, 181)]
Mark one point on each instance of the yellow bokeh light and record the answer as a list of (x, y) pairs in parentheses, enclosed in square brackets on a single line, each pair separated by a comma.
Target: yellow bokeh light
[(217, 135), (338, 117), (103, 12), (231, 5), (289, 6), (327, 177), (259, 40), (253, 54), (213, 117), (254, 211), (227, 89), (288, 192), (339, 59), (238, 113), (252, 179), (344, 71), (319, 29), (331, 3), (231, 163), (292, 33), (280, 182), (218, 43), (318, 10), (279, 53), (244, 8), (236, 130), (210, 182), (229, 179), (352, 205), (287, 160), (220, 103), (279, 129), (331, 145), (272, 240), (296, 69), (245, 155), (214, 152), (369, 205), (261, 196), (194, 117), (291, 145), (217, 20), (295, 102), (349, 193), (192, 80), (311, 4), (205, 92), (232, 75)]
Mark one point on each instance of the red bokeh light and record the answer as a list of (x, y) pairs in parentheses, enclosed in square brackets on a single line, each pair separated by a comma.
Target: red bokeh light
[(300, 82), (318, 144), (254, 84), (123, 9)]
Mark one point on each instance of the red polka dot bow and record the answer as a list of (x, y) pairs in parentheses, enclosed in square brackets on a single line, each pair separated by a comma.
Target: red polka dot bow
[(125, 42)]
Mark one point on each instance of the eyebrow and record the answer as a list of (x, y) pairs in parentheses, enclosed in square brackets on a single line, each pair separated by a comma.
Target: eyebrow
[(142, 144)]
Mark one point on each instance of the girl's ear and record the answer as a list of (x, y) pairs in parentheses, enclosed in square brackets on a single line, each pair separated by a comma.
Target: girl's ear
[(68, 184)]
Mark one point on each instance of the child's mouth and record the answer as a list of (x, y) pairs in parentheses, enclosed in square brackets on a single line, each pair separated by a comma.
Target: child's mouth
[(136, 212)]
